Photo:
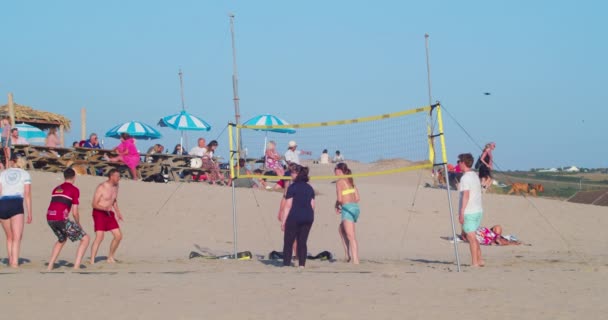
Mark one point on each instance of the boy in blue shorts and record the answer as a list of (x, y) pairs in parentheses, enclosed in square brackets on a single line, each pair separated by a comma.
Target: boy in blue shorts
[(470, 209)]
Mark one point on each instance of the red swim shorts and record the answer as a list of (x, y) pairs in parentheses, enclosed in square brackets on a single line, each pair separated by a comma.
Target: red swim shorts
[(104, 220)]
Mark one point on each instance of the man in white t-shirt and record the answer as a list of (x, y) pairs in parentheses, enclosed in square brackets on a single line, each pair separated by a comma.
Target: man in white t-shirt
[(200, 149), (292, 155), (470, 210)]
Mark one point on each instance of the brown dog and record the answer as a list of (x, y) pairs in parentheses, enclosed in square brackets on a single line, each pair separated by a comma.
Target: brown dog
[(527, 188), (80, 169)]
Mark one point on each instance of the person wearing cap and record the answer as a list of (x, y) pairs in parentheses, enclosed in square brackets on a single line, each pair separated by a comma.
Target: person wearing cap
[(292, 155)]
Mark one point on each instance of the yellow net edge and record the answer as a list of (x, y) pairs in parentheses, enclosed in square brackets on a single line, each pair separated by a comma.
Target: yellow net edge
[(341, 122), (426, 165)]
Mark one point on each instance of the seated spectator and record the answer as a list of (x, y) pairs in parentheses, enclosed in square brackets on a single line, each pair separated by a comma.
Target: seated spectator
[(455, 175), (491, 236), (272, 159), (92, 143), (179, 150), (338, 157), (214, 176), (51, 139), (75, 144), (15, 138), (324, 157), (260, 182), (284, 183), (200, 149), (155, 149), (241, 169), (127, 154)]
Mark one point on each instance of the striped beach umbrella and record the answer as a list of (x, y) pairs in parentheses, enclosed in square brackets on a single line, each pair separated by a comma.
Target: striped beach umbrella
[(269, 120), (32, 134), (185, 121), (135, 129)]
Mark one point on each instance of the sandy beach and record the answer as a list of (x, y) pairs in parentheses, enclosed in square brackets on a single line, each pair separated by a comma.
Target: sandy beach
[(408, 267)]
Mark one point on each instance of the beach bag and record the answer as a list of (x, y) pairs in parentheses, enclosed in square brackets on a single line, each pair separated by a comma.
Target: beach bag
[(196, 163)]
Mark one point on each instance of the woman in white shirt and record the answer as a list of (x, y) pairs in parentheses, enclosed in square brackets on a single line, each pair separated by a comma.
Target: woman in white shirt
[(15, 189)]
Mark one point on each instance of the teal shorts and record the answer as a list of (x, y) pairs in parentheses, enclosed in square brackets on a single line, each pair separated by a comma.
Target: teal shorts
[(350, 212), (471, 222)]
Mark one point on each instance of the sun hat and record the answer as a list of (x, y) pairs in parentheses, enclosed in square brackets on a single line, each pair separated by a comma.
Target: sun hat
[(292, 144)]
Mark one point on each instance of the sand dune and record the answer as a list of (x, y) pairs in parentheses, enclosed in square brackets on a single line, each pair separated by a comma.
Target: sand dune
[(408, 270)]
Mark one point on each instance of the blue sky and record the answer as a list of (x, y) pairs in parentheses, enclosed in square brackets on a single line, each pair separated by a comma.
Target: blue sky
[(544, 63)]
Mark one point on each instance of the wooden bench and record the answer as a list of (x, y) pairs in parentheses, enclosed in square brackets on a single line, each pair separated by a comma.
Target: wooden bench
[(95, 162)]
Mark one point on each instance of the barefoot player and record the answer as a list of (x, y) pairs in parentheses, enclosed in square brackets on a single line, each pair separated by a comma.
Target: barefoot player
[(105, 212), (63, 199), (470, 211)]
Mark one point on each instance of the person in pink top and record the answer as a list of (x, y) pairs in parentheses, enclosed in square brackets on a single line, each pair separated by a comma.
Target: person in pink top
[(51, 139), (6, 135), (127, 153)]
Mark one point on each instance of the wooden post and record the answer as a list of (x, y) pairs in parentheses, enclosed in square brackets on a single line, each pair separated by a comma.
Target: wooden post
[(83, 124), (11, 109), (61, 133)]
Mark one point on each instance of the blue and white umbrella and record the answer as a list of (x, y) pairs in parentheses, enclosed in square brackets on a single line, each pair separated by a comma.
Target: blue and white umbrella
[(269, 120), (135, 129), (32, 134), (186, 121)]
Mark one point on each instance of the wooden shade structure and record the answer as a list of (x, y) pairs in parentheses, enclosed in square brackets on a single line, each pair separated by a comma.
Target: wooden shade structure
[(41, 119)]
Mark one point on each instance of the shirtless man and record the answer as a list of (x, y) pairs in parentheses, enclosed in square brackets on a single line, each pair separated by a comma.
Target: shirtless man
[(105, 211)]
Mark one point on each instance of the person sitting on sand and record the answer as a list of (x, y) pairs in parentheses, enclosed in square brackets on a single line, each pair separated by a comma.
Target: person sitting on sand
[(338, 157), (127, 154), (324, 159), (241, 169), (260, 182), (65, 198), (491, 236)]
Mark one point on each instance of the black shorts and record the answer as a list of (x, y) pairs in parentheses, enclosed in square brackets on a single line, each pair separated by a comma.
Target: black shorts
[(10, 208), (66, 229)]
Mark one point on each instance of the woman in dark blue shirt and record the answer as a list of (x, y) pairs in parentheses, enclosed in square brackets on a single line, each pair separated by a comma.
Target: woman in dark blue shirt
[(298, 215)]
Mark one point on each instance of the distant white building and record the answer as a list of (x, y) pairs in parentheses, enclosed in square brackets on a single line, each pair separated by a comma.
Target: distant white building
[(572, 169), (548, 170)]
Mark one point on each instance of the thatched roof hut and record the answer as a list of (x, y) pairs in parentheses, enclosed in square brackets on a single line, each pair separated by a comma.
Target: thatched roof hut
[(40, 119)]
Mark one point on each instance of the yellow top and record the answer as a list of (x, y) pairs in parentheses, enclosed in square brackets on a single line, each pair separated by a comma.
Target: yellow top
[(348, 191)]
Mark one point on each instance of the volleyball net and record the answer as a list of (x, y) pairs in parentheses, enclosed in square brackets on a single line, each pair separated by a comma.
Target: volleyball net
[(374, 145)]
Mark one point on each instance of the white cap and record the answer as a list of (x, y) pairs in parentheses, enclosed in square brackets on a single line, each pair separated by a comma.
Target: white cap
[(292, 144)]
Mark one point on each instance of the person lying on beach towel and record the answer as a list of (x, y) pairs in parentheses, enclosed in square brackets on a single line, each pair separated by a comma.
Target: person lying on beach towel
[(492, 236)]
